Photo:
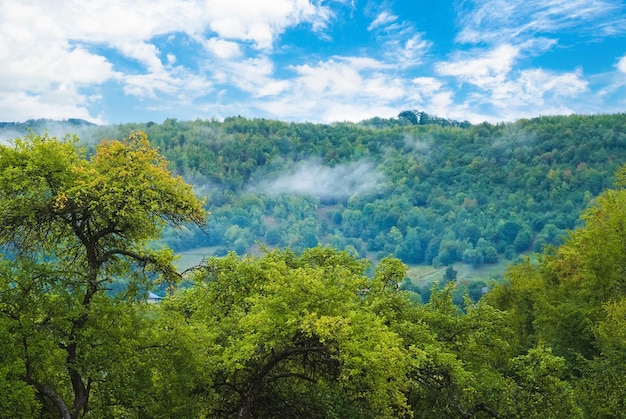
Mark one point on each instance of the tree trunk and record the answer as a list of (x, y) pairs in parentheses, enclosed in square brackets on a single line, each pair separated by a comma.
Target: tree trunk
[(56, 399), (81, 394)]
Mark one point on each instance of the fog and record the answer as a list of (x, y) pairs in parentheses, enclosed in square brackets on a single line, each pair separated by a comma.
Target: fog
[(85, 131), (7, 134), (327, 183), (419, 145)]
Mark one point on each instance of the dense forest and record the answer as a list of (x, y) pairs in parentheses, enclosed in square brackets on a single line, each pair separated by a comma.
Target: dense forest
[(316, 333), (422, 188)]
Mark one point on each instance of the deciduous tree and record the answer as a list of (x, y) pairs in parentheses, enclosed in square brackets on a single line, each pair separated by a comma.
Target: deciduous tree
[(71, 224)]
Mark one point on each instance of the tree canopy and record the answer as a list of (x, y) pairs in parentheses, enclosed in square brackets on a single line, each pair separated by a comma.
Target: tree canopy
[(312, 333), (454, 192), (73, 223)]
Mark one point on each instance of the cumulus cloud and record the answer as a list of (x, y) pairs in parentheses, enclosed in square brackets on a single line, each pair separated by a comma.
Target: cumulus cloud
[(223, 49), (427, 85), (339, 89), (215, 58), (261, 22), (347, 76), (48, 47), (483, 68), (252, 75), (327, 183), (496, 83)]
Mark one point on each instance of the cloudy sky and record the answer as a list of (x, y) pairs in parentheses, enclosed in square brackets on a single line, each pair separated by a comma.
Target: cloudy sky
[(111, 61)]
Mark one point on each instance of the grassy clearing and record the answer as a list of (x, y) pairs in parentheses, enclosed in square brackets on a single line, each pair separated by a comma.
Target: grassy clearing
[(193, 257), (423, 275)]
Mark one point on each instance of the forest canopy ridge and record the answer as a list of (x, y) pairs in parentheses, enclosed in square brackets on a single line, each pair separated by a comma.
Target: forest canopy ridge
[(434, 194), (282, 334)]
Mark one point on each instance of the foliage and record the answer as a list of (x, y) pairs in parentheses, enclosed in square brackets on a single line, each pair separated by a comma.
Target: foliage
[(315, 331), (72, 224), (472, 193), (293, 337), (284, 335), (572, 301), (453, 192)]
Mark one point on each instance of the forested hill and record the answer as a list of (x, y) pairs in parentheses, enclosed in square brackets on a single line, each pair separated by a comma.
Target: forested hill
[(428, 193)]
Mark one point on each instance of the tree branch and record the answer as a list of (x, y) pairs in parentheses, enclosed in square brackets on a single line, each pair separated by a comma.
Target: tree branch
[(290, 375), (56, 399)]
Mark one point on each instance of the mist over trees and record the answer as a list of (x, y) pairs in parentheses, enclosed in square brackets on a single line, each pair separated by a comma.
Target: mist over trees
[(316, 333), (428, 193)]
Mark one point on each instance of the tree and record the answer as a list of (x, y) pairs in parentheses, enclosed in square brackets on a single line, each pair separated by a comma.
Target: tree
[(605, 376), (72, 224), (295, 336), (409, 116), (540, 392), (522, 240), (450, 274), (572, 302)]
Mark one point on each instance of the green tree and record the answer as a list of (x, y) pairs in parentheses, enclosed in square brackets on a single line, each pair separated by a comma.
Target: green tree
[(571, 302), (449, 275), (605, 376), (522, 240), (540, 392), (71, 225), (295, 336)]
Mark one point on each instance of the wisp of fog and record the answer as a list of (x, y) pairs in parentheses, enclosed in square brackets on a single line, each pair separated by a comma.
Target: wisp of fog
[(328, 183)]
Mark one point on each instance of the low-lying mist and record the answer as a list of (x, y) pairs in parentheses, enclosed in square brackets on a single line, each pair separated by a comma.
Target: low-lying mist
[(335, 183), (86, 131)]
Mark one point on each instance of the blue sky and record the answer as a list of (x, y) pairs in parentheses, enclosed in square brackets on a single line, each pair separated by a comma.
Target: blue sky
[(319, 61)]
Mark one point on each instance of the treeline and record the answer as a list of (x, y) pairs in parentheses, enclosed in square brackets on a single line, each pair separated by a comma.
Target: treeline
[(280, 335), (417, 117), (425, 193)]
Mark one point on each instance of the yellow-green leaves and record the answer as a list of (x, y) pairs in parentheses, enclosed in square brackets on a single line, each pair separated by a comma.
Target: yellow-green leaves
[(54, 197), (75, 223), (297, 336)]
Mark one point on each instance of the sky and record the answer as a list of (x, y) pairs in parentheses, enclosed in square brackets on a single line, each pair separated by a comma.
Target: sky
[(122, 61)]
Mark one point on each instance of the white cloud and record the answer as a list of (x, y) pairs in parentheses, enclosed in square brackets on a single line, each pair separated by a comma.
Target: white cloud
[(481, 69), (382, 19), (178, 82), (427, 85), (44, 45), (54, 104), (324, 109), (402, 44), (431, 94), (519, 20), (42, 73), (146, 54), (36, 56), (506, 92), (341, 88), (621, 64), (535, 89), (259, 21), (406, 51), (223, 49), (253, 75), (341, 76)]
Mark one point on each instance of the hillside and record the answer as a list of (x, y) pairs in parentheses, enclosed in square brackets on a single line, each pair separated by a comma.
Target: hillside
[(429, 193), (314, 334)]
